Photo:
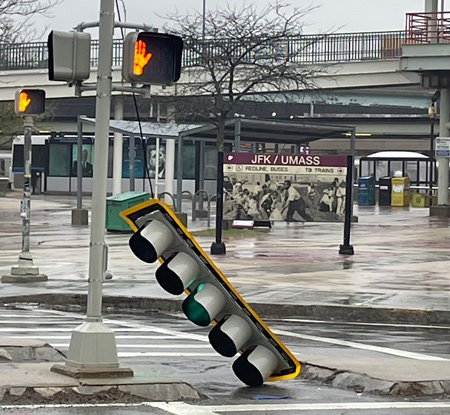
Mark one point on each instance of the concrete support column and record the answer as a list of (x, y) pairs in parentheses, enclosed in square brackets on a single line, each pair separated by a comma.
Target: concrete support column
[(431, 6), (443, 132), (118, 148)]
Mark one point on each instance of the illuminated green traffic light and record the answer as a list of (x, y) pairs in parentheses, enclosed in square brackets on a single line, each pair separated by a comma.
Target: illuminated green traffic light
[(194, 310)]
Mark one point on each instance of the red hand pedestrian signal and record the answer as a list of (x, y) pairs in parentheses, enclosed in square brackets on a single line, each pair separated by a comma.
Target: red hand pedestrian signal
[(141, 57), (151, 58)]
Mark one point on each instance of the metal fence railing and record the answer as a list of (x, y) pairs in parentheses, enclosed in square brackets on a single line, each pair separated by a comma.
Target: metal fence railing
[(429, 27), (302, 49)]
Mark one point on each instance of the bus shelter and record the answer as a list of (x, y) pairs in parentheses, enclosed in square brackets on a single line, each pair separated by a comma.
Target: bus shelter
[(418, 167), (240, 133)]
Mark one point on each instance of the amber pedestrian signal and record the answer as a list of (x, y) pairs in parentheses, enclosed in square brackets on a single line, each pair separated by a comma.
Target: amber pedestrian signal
[(29, 101), (152, 58)]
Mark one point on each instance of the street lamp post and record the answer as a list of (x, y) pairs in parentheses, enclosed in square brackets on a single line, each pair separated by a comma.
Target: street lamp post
[(203, 20), (432, 115)]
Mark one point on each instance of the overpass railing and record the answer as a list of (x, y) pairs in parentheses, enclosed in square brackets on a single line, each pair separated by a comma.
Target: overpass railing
[(302, 49)]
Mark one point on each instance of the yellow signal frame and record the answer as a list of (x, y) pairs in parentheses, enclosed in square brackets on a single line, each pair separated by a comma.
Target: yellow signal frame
[(156, 203)]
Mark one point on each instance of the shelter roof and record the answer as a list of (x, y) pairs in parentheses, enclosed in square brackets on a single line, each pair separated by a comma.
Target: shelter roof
[(250, 130)]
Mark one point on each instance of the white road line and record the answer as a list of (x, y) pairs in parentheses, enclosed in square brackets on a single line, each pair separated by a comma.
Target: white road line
[(154, 329), (118, 337), (151, 346), (323, 406), (40, 322), (357, 323), (167, 354), (28, 315), (130, 327), (35, 330), (179, 335), (182, 408), (135, 327), (379, 349)]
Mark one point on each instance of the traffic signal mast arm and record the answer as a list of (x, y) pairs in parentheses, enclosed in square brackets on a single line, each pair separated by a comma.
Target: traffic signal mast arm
[(211, 298)]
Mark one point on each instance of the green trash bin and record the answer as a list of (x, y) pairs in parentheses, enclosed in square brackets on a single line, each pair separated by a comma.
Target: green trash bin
[(118, 203)]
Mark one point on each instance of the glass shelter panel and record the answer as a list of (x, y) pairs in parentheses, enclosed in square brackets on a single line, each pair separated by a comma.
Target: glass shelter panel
[(59, 160)]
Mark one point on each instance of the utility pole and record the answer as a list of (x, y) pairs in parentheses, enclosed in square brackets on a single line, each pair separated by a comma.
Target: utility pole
[(118, 147), (92, 348), (93, 345), (25, 271)]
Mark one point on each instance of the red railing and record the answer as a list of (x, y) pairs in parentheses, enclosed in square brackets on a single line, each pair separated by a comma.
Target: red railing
[(430, 27)]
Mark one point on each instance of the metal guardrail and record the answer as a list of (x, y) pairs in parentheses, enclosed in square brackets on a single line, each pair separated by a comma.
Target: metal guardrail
[(428, 27), (302, 49)]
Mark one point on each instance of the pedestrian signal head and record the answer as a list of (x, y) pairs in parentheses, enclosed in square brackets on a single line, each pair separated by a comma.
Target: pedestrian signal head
[(152, 58), (29, 101)]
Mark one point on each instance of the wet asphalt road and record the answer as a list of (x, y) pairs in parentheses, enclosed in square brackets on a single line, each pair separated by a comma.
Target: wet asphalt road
[(401, 260), (140, 344)]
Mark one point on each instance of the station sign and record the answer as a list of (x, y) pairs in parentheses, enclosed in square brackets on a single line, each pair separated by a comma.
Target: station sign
[(442, 147), (284, 186)]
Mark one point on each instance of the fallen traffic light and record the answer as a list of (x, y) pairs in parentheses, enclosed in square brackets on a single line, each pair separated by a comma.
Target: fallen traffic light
[(152, 58), (29, 101), (159, 235)]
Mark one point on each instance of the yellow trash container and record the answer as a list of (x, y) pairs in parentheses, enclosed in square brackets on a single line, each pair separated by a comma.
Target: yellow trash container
[(401, 192), (420, 199)]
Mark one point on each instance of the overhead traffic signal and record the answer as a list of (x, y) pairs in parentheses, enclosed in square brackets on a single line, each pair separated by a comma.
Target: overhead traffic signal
[(29, 101), (211, 298), (152, 58)]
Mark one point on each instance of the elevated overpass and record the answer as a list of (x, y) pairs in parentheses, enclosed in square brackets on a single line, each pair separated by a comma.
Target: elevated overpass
[(362, 75), (352, 60)]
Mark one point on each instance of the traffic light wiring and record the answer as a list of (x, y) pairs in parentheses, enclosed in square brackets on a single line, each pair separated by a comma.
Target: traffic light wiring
[(136, 109)]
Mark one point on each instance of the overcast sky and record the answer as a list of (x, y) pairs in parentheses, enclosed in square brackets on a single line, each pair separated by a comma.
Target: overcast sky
[(344, 15)]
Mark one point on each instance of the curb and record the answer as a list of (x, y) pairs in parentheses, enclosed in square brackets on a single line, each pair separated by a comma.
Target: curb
[(362, 383), (90, 394), (77, 302)]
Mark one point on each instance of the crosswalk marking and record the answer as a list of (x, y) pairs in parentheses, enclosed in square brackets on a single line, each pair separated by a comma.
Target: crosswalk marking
[(131, 331), (362, 346), (180, 353), (118, 337), (49, 324), (150, 346), (358, 323)]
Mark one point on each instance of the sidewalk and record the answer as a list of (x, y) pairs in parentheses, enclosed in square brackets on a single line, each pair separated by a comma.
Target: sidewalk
[(401, 260), (399, 273)]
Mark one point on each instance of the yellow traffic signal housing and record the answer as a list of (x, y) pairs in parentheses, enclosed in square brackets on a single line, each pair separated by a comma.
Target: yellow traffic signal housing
[(29, 101), (152, 58), (211, 298)]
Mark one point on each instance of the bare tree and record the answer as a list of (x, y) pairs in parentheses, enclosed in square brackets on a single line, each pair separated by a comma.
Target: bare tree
[(10, 123), (15, 15), (243, 50), (240, 51)]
